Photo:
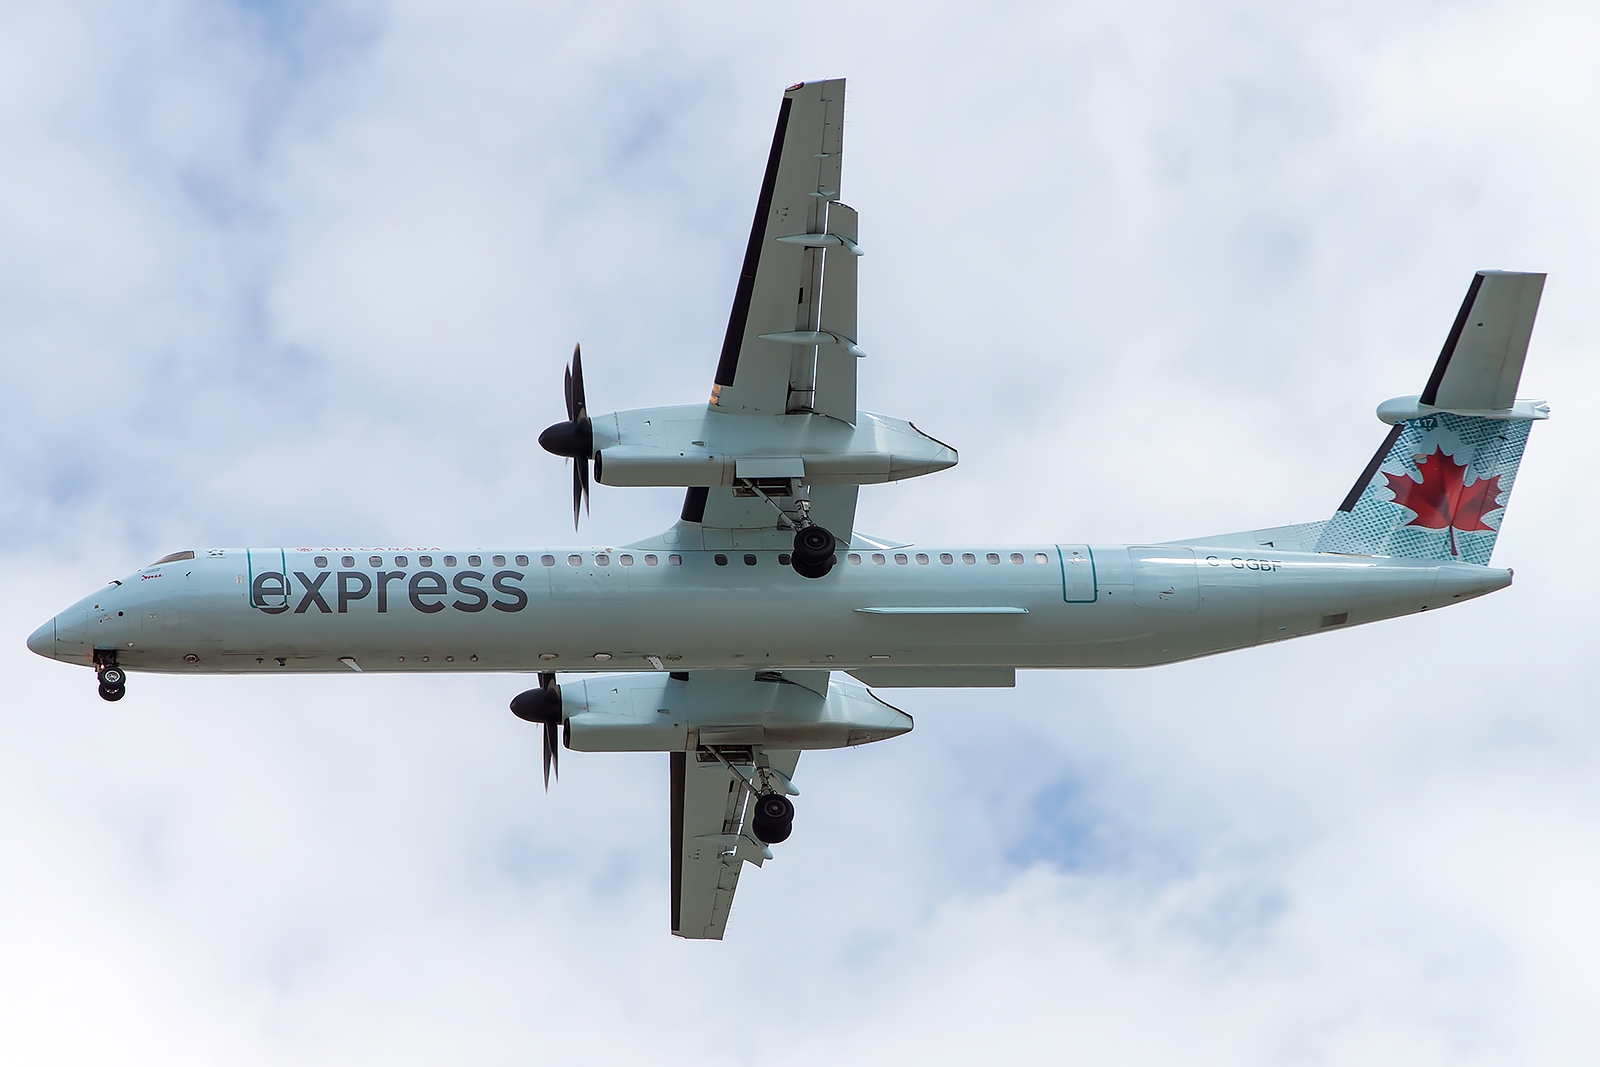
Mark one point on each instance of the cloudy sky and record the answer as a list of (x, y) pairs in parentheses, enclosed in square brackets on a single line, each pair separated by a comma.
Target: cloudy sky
[(284, 273)]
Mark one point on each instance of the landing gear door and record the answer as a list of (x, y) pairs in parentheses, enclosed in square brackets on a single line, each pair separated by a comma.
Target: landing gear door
[(1078, 585), (268, 575)]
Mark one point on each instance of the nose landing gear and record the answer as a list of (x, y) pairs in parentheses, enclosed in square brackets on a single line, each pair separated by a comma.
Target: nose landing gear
[(113, 679)]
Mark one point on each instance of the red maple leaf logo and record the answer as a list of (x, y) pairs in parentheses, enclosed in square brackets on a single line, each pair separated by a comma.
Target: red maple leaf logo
[(1442, 500)]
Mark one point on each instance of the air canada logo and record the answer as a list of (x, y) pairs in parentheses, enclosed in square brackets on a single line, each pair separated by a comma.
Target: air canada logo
[(1443, 500)]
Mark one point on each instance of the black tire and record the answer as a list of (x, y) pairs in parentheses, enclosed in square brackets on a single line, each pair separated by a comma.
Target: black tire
[(114, 677), (112, 693), (774, 818), (813, 552)]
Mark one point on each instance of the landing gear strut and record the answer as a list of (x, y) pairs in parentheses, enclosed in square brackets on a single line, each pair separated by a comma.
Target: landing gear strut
[(113, 679)]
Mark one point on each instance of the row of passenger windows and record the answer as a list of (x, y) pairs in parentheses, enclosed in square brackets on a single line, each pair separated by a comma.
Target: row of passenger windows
[(947, 558), (626, 559), (602, 559)]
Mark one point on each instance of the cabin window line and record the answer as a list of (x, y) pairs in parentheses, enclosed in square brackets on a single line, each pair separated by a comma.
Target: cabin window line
[(449, 561), (625, 559), (675, 559), (424, 561), (720, 559), (320, 561), (399, 561), (522, 561), (347, 562), (499, 561), (650, 559), (1016, 557), (922, 559), (474, 561), (968, 557), (946, 558), (993, 557), (784, 559), (749, 559), (602, 560), (879, 558), (1041, 558), (575, 560), (855, 558), (375, 561), (547, 561), (900, 558)]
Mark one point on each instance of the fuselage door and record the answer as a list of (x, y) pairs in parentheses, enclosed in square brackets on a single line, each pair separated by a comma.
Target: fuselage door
[(268, 575), (1078, 583)]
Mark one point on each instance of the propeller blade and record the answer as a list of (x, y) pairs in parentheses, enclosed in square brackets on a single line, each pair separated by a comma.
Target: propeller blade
[(576, 406), (566, 385), (552, 754)]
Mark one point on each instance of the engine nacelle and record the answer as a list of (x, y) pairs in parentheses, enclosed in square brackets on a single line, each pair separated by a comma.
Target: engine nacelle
[(658, 713), (697, 446)]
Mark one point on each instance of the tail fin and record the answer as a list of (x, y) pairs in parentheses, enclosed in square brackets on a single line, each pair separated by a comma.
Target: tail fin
[(1438, 486)]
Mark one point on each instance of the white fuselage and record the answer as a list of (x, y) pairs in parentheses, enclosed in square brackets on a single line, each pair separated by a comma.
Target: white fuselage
[(1050, 606)]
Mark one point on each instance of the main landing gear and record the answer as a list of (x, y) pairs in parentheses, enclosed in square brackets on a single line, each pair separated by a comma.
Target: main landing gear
[(113, 679), (813, 552), (774, 818)]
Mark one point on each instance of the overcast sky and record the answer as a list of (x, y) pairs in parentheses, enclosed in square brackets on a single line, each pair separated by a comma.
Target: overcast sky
[(308, 274)]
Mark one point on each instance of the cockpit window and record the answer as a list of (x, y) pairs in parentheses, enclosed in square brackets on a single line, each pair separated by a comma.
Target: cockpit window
[(173, 557)]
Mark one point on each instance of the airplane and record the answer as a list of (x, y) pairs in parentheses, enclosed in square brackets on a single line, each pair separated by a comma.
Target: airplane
[(760, 624)]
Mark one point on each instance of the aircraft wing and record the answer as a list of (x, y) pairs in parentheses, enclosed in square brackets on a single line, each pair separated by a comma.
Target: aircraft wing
[(790, 344), (791, 340), (711, 838)]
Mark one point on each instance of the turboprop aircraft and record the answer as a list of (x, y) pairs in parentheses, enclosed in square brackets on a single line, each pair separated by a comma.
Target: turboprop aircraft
[(758, 626)]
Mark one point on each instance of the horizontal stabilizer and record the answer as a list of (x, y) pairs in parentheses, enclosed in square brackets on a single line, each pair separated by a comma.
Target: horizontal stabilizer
[(1481, 362)]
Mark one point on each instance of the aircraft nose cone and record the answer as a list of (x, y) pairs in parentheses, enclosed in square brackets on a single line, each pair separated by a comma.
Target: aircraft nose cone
[(43, 640)]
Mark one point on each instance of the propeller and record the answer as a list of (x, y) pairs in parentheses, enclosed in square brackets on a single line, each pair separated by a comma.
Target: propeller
[(543, 705), (574, 438)]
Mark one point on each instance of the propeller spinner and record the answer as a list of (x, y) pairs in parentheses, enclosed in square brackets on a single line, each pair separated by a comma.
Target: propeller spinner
[(574, 438), (543, 705)]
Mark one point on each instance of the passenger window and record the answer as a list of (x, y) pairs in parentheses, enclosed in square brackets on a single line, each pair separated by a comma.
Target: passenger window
[(625, 559), (650, 559), (720, 560), (602, 560), (399, 561), (993, 557), (1016, 557), (855, 558), (320, 561), (499, 561), (900, 558), (946, 558), (449, 561), (878, 558), (675, 559), (547, 561), (784, 559), (522, 561), (968, 557), (749, 559), (575, 560), (376, 561), (922, 558), (474, 561), (1040, 557), (347, 561), (424, 561)]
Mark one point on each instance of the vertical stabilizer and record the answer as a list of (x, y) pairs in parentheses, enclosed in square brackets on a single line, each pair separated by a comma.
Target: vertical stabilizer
[(1438, 486)]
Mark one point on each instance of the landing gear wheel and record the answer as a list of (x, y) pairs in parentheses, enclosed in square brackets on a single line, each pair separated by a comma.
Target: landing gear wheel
[(113, 678), (774, 818), (112, 693), (813, 552)]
